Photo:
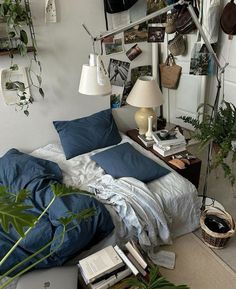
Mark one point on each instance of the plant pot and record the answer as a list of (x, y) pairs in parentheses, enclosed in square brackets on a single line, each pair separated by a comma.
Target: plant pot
[(217, 227)]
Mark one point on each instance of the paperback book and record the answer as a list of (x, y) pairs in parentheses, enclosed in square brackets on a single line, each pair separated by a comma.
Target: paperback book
[(166, 151), (100, 264)]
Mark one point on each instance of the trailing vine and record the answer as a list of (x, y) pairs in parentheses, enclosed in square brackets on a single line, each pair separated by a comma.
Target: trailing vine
[(17, 16)]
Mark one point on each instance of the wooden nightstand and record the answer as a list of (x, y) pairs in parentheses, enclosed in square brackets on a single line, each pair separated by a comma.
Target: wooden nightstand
[(191, 172)]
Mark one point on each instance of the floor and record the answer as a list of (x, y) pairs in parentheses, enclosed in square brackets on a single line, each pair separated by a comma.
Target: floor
[(220, 189)]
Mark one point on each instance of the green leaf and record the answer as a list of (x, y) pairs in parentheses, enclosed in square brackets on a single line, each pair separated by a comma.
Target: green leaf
[(41, 92), (14, 67), (22, 196), (24, 37), (16, 215)]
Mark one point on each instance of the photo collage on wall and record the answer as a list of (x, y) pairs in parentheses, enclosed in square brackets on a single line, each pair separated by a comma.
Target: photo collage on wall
[(124, 49)]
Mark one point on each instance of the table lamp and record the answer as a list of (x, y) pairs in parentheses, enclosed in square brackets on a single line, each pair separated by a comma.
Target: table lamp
[(145, 94)]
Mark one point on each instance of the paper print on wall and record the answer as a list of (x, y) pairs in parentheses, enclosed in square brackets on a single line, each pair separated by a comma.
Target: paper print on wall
[(153, 6), (156, 34), (145, 70), (136, 34), (133, 52), (127, 88), (114, 47), (118, 72), (50, 11), (116, 96), (202, 62)]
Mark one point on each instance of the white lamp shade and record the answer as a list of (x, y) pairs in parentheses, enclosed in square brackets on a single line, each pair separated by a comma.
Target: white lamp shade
[(145, 93), (89, 83)]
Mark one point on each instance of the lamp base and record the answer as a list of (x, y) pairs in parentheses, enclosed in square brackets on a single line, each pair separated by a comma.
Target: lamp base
[(141, 118)]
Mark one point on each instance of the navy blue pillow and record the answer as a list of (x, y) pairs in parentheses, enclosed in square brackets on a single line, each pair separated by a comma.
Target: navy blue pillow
[(125, 161), (85, 134)]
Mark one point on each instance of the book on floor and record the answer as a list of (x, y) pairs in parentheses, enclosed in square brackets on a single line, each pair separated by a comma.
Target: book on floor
[(99, 264), (136, 254), (172, 138), (147, 143), (166, 151)]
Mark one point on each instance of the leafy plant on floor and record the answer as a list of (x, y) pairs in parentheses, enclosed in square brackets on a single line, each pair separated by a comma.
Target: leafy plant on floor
[(155, 281), (14, 212), (220, 130), (17, 16)]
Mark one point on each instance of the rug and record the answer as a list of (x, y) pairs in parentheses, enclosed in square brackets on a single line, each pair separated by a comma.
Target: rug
[(197, 266)]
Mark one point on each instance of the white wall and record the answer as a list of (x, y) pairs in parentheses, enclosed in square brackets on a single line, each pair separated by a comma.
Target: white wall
[(63, 48)]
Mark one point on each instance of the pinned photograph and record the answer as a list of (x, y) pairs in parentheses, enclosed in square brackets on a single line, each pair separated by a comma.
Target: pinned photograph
[(118, 72), (127, 88), (115, 47), (156, 34), (145, 70), (153, 6), (133, 52), (116, 96), (136, 34)]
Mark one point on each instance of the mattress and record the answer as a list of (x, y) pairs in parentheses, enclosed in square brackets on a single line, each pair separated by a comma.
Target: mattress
[(179, 196)]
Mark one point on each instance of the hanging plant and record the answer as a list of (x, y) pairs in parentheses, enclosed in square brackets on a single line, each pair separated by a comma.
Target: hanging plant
[(17, 16)]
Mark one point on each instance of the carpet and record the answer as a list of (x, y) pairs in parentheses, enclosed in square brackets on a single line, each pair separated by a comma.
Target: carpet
[(197, 266)]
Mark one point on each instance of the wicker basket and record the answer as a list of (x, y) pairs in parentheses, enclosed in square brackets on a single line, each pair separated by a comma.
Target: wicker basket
[(213, 239)]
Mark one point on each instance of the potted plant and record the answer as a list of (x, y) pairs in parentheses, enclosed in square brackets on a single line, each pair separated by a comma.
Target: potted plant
[(17, 16), (154, 281), (219, 130), (15, 212)]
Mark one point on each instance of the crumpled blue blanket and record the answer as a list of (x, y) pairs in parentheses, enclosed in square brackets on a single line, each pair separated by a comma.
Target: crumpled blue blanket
[(21, 171)]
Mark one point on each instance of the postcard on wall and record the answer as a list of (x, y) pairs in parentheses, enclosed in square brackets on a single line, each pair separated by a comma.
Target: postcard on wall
[(114, 47), (153, 6), (133, 52), (156, 34), (136, 34), (127, 88), (145, 70), (116, 96), (118, 71), (120, 19)]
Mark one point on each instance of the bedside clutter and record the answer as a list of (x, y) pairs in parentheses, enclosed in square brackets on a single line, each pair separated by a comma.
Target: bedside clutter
[(189, 171)]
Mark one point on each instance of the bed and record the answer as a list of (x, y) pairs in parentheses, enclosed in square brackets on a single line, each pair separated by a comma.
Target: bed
[(151, 211)]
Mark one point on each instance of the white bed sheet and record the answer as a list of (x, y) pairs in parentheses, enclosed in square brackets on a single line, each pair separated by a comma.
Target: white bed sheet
[(179, 196)]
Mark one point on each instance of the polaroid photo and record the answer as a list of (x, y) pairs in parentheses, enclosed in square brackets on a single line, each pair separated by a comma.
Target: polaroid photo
[(118, 71), (133, 52), (156, 34)]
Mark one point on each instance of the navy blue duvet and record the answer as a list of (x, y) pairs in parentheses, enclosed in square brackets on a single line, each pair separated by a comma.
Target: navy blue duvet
[(22, 171)]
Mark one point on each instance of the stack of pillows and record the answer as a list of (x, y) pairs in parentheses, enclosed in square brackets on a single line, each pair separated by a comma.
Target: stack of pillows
[(97, 131)]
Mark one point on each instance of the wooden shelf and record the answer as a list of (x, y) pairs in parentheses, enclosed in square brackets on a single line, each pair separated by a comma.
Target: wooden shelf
[(15, 51)]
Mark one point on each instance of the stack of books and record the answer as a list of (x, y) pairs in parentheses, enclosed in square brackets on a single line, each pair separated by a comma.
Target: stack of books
[(171, 144), (110, 265)]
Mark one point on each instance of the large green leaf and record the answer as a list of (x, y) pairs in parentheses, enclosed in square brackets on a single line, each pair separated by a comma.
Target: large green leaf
[(16, 214)]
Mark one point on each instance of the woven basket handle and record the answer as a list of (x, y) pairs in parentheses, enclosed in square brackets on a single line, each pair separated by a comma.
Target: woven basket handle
[(170, 60), (232, 230)]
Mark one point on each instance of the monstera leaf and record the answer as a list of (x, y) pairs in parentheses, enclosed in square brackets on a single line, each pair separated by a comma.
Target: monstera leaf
[(14, 212)]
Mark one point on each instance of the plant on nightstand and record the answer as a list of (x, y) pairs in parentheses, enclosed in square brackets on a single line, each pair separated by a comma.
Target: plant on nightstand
[(221, 131)]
